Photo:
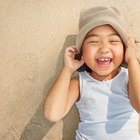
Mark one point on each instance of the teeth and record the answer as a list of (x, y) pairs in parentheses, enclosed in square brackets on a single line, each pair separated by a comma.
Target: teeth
[(104, 59)]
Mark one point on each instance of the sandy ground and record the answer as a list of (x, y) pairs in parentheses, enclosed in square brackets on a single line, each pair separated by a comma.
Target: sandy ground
[(33, 35)]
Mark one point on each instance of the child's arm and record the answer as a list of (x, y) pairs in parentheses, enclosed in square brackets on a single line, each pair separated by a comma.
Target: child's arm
[(64, 91), (134, 74)]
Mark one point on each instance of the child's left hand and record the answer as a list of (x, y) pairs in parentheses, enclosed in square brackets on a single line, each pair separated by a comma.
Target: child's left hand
[(131, 50)]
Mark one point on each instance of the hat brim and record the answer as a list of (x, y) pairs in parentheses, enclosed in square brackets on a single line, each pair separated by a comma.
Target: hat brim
[(92, 24)]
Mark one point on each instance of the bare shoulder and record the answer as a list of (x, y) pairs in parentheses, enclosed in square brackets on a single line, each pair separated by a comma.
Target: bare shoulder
[(75, 80), (74, 84), (74, 88), (73, 94)]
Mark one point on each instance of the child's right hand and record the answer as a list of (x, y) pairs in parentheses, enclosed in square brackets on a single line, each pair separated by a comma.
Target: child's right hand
[(70, 61)]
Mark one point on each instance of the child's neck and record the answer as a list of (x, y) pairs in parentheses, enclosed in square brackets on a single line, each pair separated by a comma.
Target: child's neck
[(106, 77)]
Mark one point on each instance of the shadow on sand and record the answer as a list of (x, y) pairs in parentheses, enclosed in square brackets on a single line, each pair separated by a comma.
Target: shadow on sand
[(38, 126)]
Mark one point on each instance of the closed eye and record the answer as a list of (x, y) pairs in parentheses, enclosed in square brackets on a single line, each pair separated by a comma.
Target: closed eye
[(93, 42), (115, 41)]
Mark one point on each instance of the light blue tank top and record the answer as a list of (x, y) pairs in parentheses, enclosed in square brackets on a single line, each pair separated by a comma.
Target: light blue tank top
[(105, 109)]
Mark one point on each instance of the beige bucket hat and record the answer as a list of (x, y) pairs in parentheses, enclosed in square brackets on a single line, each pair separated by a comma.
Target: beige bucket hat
[(98, 16)]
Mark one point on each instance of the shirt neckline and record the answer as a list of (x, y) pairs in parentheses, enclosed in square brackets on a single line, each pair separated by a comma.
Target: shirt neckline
[(104, 81)]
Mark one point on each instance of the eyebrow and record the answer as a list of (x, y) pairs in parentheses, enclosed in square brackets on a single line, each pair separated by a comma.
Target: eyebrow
[(114, 34), (96, 35), (91, 35)]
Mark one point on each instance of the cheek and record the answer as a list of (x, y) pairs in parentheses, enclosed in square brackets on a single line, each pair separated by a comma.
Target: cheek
[(118, 52), (89, 52), (89, 56)]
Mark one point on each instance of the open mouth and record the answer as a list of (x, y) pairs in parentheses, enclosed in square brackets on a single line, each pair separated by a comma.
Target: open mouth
[(104, 62)]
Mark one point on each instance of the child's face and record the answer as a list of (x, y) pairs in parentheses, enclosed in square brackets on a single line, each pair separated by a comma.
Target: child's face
[(103, 52)]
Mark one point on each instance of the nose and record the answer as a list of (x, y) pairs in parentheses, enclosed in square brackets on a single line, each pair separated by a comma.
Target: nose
[(104, 47)]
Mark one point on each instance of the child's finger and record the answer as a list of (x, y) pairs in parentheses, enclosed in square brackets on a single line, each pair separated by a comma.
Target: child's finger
[(72, 49)]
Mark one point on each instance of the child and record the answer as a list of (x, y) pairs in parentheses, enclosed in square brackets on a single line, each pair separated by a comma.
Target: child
[(106, 94)]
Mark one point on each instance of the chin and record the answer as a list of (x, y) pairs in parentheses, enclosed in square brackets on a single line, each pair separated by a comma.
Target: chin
[(105, 74)]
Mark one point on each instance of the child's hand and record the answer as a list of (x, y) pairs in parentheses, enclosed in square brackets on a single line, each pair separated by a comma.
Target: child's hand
[(69, 59), (131, 50)]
